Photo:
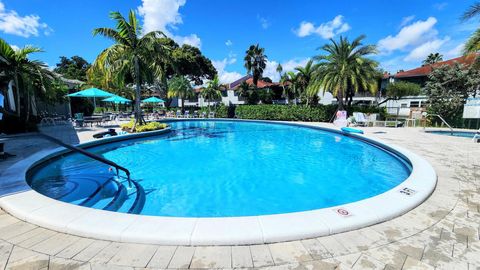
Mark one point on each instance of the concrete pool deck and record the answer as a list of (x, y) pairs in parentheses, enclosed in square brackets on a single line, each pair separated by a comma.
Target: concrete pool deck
[(442, 232)]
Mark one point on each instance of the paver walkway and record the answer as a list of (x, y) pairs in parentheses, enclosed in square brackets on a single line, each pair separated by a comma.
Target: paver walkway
[(442, 233)]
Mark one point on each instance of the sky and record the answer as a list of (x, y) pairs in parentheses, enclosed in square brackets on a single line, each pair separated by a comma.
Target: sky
[(291, 31)]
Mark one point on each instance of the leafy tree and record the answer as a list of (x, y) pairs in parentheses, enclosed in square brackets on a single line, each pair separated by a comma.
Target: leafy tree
[(448, 87), (345, 69), (132, 56), (303, 78), (188, 61), (212, 91), (30, 76), (432, 59), (401, 89), (73, 68), (180, 87), (255, 62)]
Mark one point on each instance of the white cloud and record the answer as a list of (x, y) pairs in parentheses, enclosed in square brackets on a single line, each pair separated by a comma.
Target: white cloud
[(15, 47), (271, 68), (223, 75), (406, 20), (263, 22), (440, 6), (413, 34), (12, 23), (163, 15), (455, 51), (422, 51), (228, 43), (325, 30)]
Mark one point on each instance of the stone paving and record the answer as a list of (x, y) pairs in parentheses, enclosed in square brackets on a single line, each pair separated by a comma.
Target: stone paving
[(441, 233)]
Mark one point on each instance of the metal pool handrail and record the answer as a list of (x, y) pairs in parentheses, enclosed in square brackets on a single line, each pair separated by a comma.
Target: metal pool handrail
[(443, 120), (78, 150)]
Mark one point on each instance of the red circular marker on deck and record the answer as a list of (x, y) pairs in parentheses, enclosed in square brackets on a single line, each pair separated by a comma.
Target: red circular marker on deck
[(343, 212)]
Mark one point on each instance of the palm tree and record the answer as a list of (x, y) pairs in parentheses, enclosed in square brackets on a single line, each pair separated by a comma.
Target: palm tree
[(345, 68), (133, 56), (432, 59), (255, 62), (303, 77), (284, 79), (294, 85), (28, 75), (180, 87), (212, 91), (472, 11), (473, 43)]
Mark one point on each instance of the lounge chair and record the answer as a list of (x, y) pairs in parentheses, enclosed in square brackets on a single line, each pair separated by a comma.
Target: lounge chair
[(178, 114), (186, 114), (79, 119), (204, 115), (360, 119), (211, 115)]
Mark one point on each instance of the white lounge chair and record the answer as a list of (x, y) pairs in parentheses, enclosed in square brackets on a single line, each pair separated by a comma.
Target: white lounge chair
[(211, 115), (360, 119)]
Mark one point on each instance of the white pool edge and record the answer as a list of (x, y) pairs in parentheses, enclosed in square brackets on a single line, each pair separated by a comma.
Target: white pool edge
[(38, 209)]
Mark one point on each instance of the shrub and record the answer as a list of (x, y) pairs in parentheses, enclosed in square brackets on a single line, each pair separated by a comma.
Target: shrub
[(401, 89), (151, 126), (221, 111), (318, 113)]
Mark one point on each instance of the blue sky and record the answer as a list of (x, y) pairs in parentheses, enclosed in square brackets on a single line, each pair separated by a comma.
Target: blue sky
[(290, 31)]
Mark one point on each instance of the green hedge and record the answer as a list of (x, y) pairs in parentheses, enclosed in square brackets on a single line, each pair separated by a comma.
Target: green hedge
[(285, 112), (319, 113), (221, 111)]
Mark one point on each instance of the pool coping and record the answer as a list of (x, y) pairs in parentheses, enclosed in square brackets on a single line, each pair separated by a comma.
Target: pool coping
[(30, 206)]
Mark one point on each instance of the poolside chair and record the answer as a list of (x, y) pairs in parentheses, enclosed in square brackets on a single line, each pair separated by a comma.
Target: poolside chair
[(204, 114), (360, 119), (79, 119), (178, 114), (211, 115), (341, 119), (186, 114)]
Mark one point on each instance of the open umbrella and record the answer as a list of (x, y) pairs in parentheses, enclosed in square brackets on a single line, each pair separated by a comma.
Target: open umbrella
[(92, 93), (153, 100), (117, 100)]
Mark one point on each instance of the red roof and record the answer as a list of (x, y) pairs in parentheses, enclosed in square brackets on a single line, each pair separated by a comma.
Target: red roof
[(425, 70)]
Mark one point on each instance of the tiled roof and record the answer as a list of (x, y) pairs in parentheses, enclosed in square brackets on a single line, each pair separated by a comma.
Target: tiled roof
[(425, 70)]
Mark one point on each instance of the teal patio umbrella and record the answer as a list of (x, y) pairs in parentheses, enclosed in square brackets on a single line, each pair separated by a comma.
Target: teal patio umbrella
[(117, 100), (92, 93), (153, 100)]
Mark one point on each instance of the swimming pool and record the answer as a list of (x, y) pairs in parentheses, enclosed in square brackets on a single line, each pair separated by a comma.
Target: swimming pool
[(465, 134), (225, 169)]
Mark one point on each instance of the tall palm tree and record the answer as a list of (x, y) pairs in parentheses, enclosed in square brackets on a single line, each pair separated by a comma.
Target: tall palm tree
[(180, 87), (284, 80), (345, 68), (303, 77), (28, 75), (132, 55), (432, 59), (212, 91), (294, 86), (255, 62)]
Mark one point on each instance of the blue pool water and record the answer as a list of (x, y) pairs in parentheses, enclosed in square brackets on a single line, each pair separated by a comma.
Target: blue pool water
[(466, 134), (225, 168)]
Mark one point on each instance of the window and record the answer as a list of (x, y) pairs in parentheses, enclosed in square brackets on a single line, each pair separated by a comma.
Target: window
[(414, 104), (404, 105)]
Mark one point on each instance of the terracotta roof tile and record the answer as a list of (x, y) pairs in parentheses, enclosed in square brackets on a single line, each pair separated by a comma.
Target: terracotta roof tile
[(425, 70)]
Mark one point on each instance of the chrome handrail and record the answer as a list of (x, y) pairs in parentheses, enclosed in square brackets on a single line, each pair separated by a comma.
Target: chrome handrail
[(78, 150), (443, 120)]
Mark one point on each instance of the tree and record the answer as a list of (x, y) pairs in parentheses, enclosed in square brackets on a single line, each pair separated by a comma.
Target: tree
[(345, 69), (30, 76), (448, 87), (283, 81), (212, 91), (473, 43), (401, 89), (188, 61), (248, 92), (180, 87), (432, 59), (131, 57), (73, 68), (255, 62), (303, 77)]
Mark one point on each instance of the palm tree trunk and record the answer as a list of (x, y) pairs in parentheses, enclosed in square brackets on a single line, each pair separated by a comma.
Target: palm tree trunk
[(340, 100), (17, 91), (138, 113)]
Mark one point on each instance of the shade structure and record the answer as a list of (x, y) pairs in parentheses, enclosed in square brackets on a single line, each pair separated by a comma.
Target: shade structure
[(92, 93), (153, 100), (117, 100)]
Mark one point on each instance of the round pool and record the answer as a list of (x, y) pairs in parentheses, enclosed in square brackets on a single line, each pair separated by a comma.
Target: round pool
[(225, 169)]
